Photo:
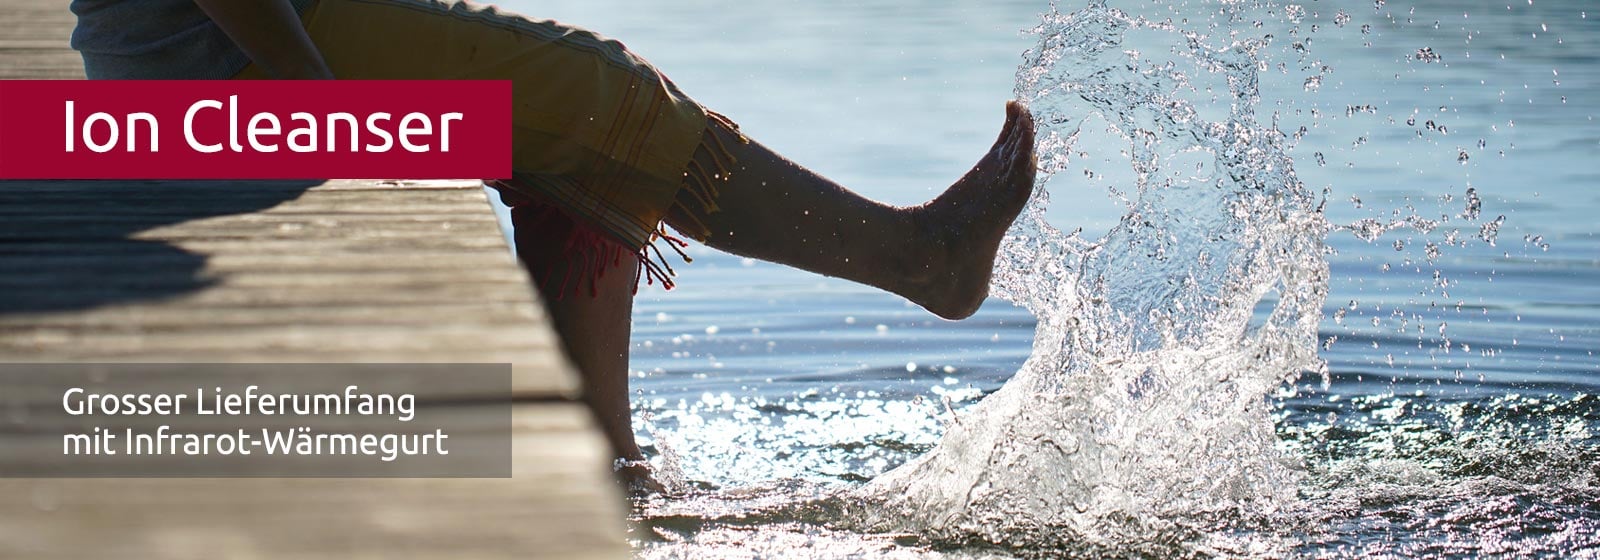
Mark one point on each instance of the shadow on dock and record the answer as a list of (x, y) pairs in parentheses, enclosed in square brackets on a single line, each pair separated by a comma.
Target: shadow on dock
[(72, 245)]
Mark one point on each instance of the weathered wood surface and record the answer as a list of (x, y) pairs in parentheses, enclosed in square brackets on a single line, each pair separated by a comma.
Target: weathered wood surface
[(344, 271), (33, 41), (283, 271), (556, 505)]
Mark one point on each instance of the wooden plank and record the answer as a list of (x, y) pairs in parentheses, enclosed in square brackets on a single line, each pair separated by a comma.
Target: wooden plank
[(547, 510), (33, 41), (205, 256)]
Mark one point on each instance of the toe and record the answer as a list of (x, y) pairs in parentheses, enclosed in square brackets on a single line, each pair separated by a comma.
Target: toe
[(1009, 126), (1024, 138)]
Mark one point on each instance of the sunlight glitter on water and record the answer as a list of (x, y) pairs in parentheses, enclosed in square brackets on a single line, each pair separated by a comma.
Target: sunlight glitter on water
[(1458, 416)]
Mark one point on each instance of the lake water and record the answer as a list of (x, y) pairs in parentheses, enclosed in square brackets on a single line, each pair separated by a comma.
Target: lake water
[(1460, 409)]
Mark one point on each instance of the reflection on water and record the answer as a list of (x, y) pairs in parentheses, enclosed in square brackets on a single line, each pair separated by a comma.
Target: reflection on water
[(1458, 414)]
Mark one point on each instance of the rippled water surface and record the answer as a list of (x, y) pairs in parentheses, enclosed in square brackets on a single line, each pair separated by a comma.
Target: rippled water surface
[(1437, 159)]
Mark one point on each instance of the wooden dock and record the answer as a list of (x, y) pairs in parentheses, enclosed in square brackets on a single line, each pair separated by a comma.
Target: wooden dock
[(285, 272)]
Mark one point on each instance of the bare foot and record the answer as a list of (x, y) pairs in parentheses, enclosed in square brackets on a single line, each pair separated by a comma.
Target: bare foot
[(964, 225)]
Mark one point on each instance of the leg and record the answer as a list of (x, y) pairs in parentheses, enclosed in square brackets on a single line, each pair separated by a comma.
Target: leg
[(593, 328), (938, 255)]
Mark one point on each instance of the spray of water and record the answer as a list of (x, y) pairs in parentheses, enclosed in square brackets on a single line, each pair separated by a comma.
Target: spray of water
[(1143, 406)]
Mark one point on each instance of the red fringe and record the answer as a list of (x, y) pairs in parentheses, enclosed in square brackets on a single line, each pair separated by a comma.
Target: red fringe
[(553, 244)]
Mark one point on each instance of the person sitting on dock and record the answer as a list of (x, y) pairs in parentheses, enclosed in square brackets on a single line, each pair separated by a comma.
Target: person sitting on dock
[(606, 152)]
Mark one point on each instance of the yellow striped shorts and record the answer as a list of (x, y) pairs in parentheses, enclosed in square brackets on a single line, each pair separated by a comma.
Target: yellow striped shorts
[(598, 132)]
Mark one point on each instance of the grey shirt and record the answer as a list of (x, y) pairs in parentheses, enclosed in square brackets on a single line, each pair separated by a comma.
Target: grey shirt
[(155, 40)]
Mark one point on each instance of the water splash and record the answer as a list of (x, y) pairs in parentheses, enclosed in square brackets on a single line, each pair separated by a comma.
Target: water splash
[(1143, 408)]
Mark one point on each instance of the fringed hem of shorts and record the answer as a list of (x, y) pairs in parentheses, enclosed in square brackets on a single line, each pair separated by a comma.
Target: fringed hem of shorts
[(712, 164), (694, 201), (589, 250)]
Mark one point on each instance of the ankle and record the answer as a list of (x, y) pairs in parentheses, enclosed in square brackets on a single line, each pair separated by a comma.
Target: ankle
[(920, 264)]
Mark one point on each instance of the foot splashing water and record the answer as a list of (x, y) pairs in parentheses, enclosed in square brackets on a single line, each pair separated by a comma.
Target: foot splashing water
[(1144, 403)]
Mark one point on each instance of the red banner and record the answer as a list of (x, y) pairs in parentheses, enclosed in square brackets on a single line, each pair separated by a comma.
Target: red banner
[(244, 129)]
